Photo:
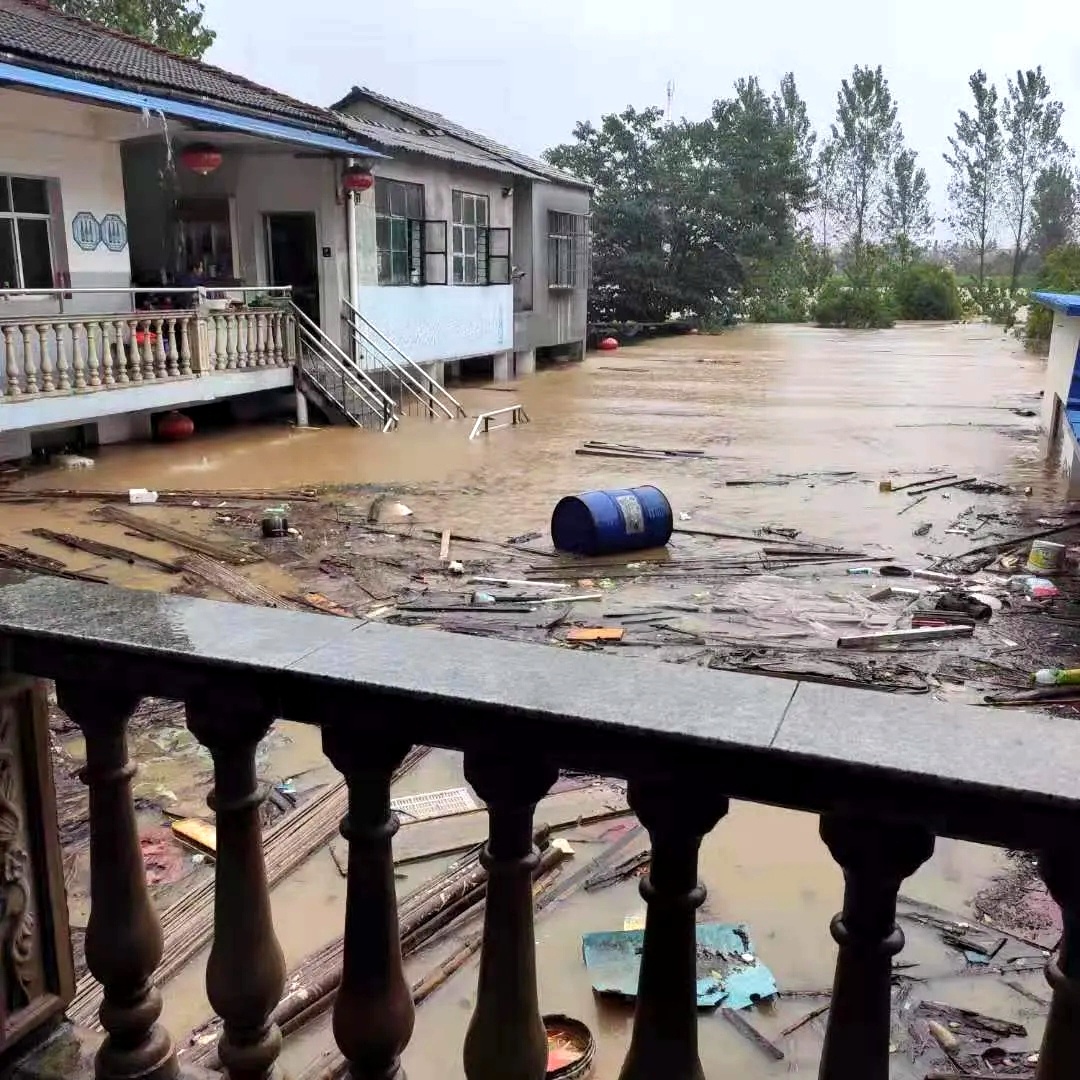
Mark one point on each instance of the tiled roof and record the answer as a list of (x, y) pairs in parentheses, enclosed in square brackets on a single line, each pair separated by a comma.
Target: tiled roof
[(433, 144), (34, 33), (494, 155)]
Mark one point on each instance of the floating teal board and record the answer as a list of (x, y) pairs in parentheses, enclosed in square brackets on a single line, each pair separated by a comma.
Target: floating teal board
[(613, 959)]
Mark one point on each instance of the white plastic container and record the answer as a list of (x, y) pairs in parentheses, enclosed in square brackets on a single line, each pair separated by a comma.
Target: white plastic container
[(141, 496), (1046, 558)]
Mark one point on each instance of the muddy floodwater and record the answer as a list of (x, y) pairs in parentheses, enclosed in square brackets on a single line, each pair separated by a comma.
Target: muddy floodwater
[(795, 406)]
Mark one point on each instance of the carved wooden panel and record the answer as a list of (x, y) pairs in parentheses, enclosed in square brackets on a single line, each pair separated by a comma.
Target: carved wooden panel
[(36, 982)]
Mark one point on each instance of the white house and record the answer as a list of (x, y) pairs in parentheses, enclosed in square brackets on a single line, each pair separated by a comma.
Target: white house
[(1060, 418), (172, 235), (469, 249)]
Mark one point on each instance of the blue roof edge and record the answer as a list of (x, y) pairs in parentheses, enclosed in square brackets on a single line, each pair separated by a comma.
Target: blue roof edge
[(280, 131), (1065, 303)]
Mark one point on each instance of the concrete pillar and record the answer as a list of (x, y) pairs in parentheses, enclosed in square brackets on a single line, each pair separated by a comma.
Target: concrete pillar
[(524, 362), (502, 367), (301, 409), (452, 370), (437, 371)]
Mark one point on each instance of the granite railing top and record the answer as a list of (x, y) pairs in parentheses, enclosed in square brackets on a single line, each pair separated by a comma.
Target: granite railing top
[(999, 776)]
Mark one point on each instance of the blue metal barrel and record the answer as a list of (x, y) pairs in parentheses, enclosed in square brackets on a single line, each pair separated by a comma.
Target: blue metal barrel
[(601, 522)]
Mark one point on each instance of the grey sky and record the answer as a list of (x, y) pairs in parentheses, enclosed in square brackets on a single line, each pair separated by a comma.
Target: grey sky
[(524, 72)]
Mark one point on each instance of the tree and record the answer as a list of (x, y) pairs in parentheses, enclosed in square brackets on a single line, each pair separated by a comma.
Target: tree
[(791, 113), (864, 136), (1032, 143), (1053, 210), (176, 25), (825, 193), (906, 218), (686, 216), (976, 162)]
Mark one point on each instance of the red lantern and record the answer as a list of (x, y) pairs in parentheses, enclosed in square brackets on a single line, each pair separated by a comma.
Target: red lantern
[(201, 158), (174, 427), (609, 344), (355, 178)]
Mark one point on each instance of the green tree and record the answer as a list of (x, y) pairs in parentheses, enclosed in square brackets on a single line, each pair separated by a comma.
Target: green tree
[(824, 194), (905, 217), (688, 215), (176, 25), (1053, 210), (631, 246), (1032, 123), (865, 136), (976, 162), (1060, 273)]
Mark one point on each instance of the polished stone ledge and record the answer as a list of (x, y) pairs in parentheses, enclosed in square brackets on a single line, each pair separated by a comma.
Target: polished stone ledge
[(999, 776)]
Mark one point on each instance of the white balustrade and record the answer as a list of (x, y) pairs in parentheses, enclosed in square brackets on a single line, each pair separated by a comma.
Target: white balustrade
[(82, 354)]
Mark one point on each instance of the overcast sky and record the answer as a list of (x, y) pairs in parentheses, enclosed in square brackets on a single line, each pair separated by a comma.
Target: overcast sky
[(524, 72)]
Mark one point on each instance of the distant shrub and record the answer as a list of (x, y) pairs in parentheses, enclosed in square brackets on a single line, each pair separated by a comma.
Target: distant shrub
[(854, 304), (922, 291)]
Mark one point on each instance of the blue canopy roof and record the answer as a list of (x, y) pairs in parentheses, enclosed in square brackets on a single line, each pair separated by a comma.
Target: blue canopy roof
[(1066, 303), (186, 110)]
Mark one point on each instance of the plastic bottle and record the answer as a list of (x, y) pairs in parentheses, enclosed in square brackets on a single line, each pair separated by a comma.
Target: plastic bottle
[(1056, 677)]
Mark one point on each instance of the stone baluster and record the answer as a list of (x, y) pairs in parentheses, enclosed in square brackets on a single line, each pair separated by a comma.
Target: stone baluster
[(291, 344), (241, 340), (260, 340), (677, 815), (279, 338), (11, 363), (506, 1039), (158, 343), (48, 384), (63, 372), (30, 371), (123, 935), (1059, 1058), (174, 350), (78, 359), (230, 343), (148, 351), (185, 347), (373, 1013), (119, 350), (875, 857), (108, 356), (132, 353), (245, 972)]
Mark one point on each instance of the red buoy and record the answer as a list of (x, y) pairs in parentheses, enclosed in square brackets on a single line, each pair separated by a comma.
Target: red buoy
[(175, 426), (609, 344)]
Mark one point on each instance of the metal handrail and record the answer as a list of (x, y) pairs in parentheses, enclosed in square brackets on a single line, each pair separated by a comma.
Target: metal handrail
[(390, 419), (377, 398), (408, 380), (483, 421), (353, 317)]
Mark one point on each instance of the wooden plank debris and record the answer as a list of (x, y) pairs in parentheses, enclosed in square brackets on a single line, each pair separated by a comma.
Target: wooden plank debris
[(105, 551), (746, 1029), (943, 484), (196, 833), (596, 633), (903, 637), (444, 546), (164, 498), (14, 558), (226, 552), (233, 584)]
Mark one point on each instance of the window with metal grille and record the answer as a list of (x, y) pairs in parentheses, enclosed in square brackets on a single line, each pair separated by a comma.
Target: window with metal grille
[(470, 249), (567, 243), (26, 260), (399, 210)]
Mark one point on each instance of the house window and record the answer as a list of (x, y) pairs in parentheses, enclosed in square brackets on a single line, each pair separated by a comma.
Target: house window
[(470, 238), (399, 212), (566, 249), (25, 239)]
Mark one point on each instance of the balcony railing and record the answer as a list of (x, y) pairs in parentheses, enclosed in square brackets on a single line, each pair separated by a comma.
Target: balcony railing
[(60, 354), (885, 774)]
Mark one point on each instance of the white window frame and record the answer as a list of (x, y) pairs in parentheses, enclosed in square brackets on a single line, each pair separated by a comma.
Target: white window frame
[(15, 216), (461, 260)]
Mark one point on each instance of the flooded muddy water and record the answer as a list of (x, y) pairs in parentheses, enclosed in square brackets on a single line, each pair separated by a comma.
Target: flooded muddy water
[(764, 402)]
